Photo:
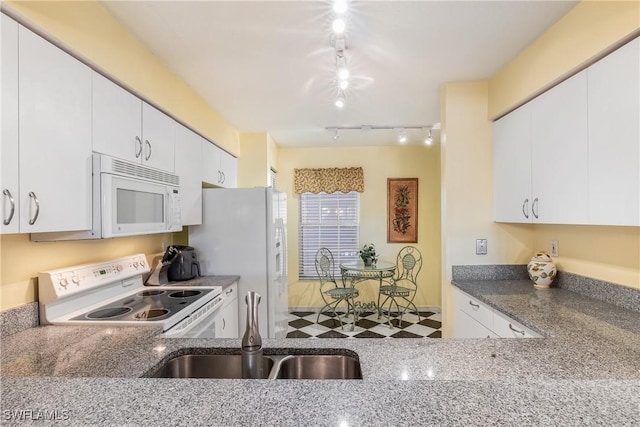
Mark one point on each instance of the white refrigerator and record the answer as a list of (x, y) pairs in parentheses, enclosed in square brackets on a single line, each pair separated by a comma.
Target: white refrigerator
[(243, 233)]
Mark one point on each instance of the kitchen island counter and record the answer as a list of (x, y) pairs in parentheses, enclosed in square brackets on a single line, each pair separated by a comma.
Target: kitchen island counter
[(586, 370)]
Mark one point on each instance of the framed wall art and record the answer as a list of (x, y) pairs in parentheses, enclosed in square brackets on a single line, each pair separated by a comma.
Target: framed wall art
[(402, 210)]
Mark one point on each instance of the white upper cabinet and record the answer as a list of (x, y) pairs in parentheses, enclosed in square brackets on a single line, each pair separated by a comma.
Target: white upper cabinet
[(117, 120), (126, 127), (512, 166), (228, 170), (559, 153), (614, 137), (189, 168), (218, 167), (9, 137), (158, 132), (55, 138)]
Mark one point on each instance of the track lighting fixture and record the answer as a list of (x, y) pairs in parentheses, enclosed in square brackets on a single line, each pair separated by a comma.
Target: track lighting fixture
[(429, 139), (400, 131), (338, 26)]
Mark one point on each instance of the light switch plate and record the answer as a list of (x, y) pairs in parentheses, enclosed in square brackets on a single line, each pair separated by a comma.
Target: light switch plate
[(554, 248), (481, 246)]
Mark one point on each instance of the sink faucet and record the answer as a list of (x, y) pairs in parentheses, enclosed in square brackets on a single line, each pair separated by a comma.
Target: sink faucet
[(251, 349)]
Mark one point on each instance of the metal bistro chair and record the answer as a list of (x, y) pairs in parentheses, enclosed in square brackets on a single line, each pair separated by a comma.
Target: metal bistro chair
[(331, 292), (402, 287)]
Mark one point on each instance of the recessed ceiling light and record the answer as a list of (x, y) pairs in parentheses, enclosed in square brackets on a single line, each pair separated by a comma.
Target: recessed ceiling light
[(343, 84), (340, 101), (340, 6), (338, 26)]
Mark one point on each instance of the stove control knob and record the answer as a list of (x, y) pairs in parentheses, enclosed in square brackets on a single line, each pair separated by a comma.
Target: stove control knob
[(75, 279), (141, 263), (64, 282), (119, 267), (135, 264)]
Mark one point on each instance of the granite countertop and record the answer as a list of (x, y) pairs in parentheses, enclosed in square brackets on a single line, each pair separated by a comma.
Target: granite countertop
[(586, 370)]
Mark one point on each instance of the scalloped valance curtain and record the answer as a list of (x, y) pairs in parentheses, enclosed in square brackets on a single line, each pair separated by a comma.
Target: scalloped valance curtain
[(328, 180)]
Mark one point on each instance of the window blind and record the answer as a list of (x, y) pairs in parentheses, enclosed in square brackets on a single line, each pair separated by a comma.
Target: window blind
[(330, 221)]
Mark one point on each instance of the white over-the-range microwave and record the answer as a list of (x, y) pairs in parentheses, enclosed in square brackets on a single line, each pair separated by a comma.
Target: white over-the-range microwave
[(128, 199)]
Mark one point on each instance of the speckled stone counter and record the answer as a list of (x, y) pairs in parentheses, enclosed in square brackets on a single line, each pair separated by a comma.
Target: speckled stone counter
[(585, 371)]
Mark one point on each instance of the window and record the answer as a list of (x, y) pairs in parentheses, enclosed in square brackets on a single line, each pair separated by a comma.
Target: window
[(330, 221), (273, 177)]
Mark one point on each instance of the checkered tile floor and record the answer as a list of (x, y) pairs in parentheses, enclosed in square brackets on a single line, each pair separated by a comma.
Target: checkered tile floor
[(302, 324)]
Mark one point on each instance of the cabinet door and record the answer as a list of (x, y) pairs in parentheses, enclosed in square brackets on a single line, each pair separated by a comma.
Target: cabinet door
[(158, 131), (228, 170), (467, 327), (117, 118), (614, 137), (9, 136), (55, 138), (559, 153), (211, 163), (512, 166), (189, 168)]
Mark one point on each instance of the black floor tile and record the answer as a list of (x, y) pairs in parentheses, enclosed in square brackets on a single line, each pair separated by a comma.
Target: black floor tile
[(298, 334), (436, 334), (405, 334), (332, 334), (430, 323), (368, 334), (300, 323)]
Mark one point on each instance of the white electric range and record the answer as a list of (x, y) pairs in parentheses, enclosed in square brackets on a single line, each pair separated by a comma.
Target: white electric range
[(113, 293)]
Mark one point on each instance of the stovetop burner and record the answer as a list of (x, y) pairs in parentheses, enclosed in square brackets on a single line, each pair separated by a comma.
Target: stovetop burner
[(184, 294), (106, 313), (145, 305)]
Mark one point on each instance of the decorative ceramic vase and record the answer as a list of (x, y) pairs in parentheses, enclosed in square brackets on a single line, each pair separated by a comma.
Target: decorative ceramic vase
[(541, 270), (367, 261)]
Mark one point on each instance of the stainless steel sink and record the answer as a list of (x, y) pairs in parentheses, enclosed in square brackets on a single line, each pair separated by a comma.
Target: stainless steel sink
[(319, 367), (207, 366), (275, 366)]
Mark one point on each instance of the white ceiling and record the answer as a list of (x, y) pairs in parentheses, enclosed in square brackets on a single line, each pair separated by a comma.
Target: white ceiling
[(270, 66)]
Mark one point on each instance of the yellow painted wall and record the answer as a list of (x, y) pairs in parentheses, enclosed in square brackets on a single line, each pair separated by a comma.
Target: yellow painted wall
[(379, 163), (467, 190), (21, 260), (253, 170), (588, 31), (91, 32)]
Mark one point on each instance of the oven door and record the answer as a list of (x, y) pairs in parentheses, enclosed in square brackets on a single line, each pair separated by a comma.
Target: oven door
[(201, 323), (131, 207)]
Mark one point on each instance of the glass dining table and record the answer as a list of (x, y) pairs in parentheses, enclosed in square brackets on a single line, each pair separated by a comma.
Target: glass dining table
[(356, 272)]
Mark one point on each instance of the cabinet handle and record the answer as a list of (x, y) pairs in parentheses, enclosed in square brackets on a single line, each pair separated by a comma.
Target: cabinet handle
[(223, 178), (534, 207), (515, 330), (35, 199), (228, 291), (525, 208), (224, 323), (474, 305), (8, 195), (219, 177), (139, 151), (148, 144)]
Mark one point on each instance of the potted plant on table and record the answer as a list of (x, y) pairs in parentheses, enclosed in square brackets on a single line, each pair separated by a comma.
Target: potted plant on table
[(368, 254)]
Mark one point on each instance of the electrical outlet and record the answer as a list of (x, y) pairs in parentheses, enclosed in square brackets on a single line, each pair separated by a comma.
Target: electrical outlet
[(554, 248), (481, 246)]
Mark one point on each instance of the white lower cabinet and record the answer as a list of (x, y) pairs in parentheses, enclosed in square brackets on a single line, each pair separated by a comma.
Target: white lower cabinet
[(227, 323), (475, 319)]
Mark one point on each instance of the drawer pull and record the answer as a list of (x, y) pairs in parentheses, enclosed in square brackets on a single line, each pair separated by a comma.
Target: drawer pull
[(474, 305), (516, 330)]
